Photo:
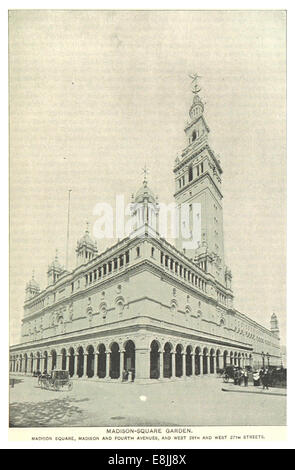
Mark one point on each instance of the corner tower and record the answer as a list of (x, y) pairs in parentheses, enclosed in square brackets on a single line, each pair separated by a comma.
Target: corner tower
[(198, 174)]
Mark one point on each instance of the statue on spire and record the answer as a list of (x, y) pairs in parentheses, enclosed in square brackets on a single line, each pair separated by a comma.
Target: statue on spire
[(196, 89), (145, 173)]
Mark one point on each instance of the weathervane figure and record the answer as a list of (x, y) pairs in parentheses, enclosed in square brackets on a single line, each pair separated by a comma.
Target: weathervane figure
[(196, 88), (145, 173)]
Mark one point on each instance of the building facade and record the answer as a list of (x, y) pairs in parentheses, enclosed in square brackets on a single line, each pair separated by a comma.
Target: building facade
[(163, 311)]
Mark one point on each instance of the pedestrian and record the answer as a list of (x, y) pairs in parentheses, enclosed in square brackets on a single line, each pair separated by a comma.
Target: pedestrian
[(265, 379), (246, 378), (256, 378)]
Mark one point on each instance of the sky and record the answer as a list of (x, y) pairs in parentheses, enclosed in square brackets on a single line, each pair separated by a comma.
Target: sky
[(94, 95)]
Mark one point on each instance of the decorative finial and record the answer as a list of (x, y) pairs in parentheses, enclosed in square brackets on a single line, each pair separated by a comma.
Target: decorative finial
[(87, 226), (33, 274), (56, 254), (145, 173), (196, 88)]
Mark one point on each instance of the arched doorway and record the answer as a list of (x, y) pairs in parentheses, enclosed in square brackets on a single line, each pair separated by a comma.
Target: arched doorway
[(205, 361), (38, 361), (102, 361), (178, 361), (26, 363), (20, 363), (188, 362), (71, 362), (217, 360), (154, 360), (90, 362), (115, 361), (239, 359), (80, 362), (167, 361), (235, 359), (45, 362), (53, 359), (64, 359), (225, 354), (197, 361), (212, 361), (129, 357), (231, 358), (32, 362)]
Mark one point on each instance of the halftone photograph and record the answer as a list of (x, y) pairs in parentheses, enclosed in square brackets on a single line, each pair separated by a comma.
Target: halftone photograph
[(147, 218)]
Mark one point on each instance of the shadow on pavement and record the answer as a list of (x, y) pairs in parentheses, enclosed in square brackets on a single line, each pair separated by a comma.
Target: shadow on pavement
[(45, 413)]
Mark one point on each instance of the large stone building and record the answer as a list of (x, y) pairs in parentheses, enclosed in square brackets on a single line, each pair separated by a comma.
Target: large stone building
[(144, 304)]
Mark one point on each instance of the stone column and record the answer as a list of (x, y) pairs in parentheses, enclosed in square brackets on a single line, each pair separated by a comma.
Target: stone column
[(122, 352), (173, 364), (85, 356), (201, 364), (58, 361), (161, 364), (42, 363), (213, 362), (193, 365), (95, 362), (108, 364), (142, 364)]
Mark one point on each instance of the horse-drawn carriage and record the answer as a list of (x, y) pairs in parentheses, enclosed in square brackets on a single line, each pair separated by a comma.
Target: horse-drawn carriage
[(56, 380)]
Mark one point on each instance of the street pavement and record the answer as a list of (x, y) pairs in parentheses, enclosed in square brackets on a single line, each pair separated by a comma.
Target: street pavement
[(192, 402)]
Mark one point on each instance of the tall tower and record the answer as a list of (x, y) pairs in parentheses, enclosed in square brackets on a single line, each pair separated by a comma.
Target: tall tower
[(32, 288), (274, 325), (86, 248), (144, 209), (198, 189), (54, 270)]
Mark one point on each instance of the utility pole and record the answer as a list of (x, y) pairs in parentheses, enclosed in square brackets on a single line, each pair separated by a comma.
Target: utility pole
[(68, 229)]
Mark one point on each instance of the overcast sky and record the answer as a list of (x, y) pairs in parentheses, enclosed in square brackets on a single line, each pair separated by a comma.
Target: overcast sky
[(95, 95)]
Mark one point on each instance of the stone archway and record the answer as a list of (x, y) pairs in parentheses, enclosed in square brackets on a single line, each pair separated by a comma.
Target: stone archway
[(53, 359), (178, 361), (188, 362), (90, 362), (167, 361), (38, 361), (218, 360), (71, 362), (212, 361), (225, 355), (129, 357), (115, 361), (80, 362), (154, 360), (64, 359), (26, 363), (205, 361), (197, 361), (102, 361)]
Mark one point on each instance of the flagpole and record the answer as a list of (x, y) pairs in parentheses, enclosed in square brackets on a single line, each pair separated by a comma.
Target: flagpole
[(68, 229)]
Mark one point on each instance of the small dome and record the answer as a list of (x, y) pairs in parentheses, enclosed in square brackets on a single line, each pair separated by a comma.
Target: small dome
[(274, 317), (87, 241), (33, 284), (145, 192), (55, 264)]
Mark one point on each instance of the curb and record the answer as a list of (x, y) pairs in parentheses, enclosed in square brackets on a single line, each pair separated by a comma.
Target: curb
[(259, 393)]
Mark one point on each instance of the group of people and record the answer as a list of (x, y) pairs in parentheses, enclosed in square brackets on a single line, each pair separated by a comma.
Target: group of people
[(241, 377), (262, 377)]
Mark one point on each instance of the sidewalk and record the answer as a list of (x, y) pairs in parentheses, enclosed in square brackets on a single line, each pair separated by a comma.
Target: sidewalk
[(229, 387)]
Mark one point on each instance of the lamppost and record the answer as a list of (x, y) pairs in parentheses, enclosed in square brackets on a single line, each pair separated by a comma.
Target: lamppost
[(263, 356)]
